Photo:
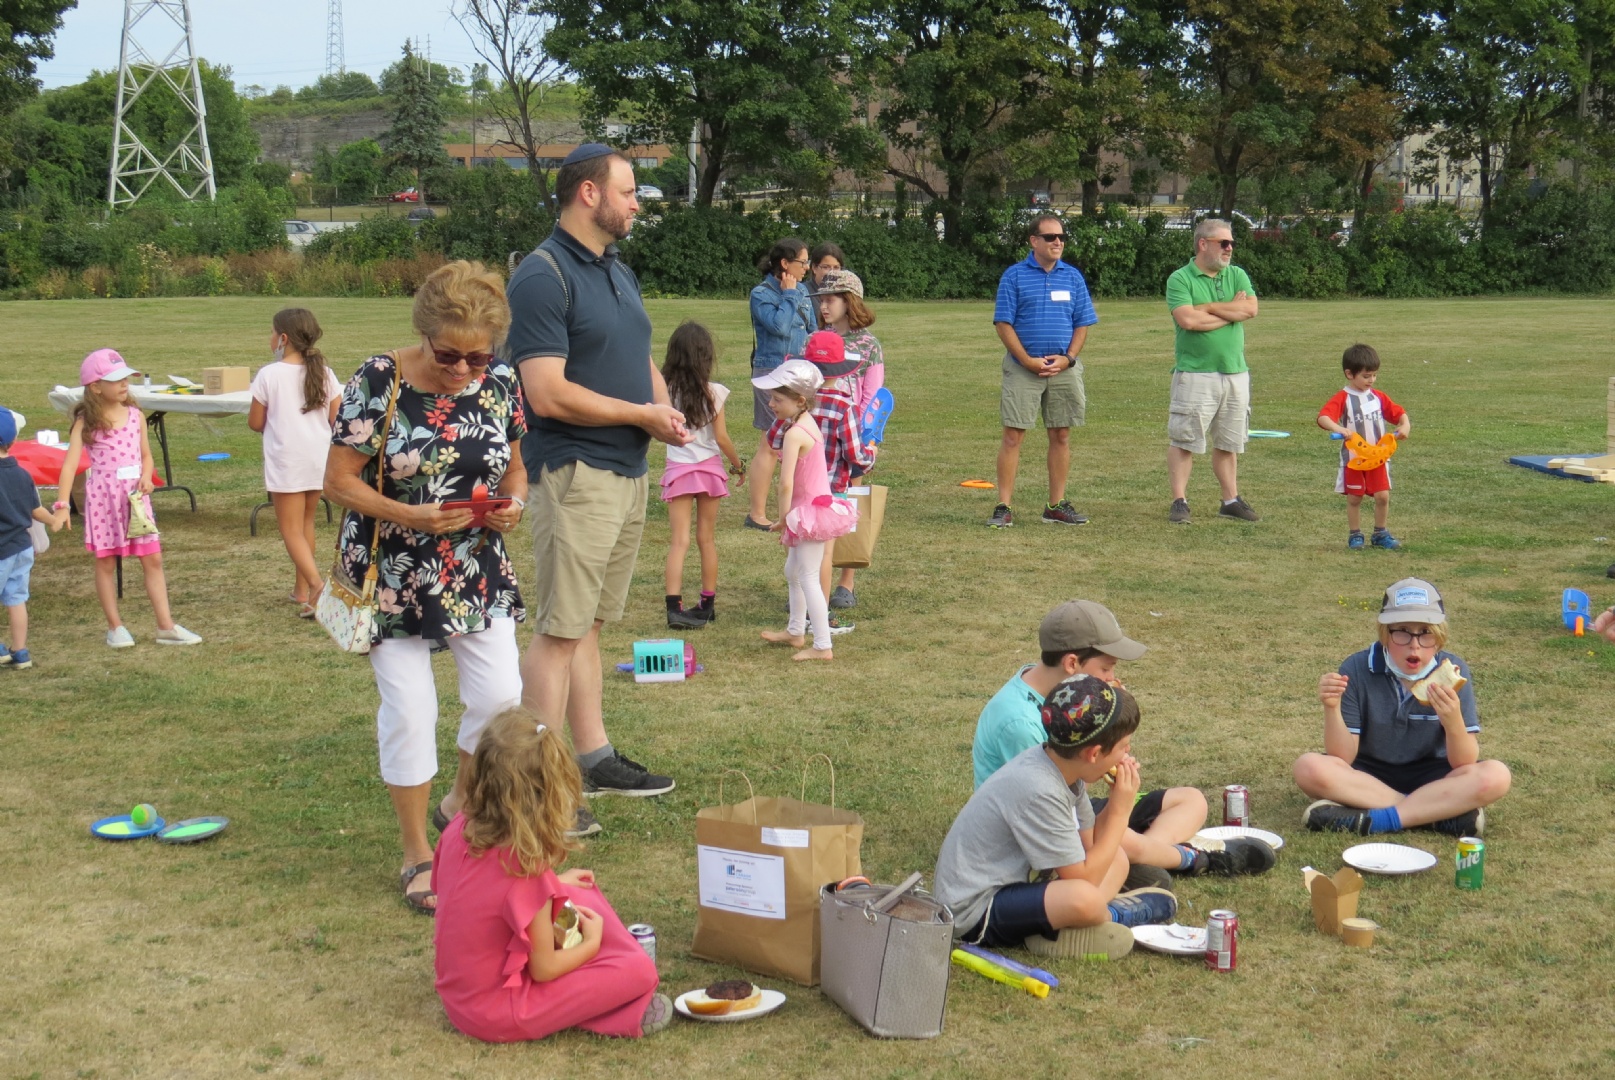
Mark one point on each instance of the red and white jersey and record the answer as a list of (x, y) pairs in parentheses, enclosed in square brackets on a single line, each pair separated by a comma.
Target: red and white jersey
[(1367, 412)]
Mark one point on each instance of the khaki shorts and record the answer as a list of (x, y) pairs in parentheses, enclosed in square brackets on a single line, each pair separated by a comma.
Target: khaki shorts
[(586, 528), (1210, 404), (1059, 399)]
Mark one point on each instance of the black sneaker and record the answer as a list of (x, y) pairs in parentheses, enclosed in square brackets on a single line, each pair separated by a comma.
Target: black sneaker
[(679, 619), (1327, 816), (1239, 509), (1240, 855), (587, 825), (618, 775), (1063, 513), (1141, 907), (1002, 518), (1470, 824), (1179, 514), (1140, 876)]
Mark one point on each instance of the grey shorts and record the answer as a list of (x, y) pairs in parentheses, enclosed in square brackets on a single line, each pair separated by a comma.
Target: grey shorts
[(762, 417), (1210, 405), (1060, 399)]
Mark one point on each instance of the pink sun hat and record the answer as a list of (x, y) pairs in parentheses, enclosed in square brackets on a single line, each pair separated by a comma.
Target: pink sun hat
[(104, 365)]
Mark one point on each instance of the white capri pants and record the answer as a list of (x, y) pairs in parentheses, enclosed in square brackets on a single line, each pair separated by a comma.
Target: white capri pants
[(406, 723)]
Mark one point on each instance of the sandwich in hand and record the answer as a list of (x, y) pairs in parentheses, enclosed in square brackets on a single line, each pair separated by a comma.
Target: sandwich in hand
[(1445, 674)]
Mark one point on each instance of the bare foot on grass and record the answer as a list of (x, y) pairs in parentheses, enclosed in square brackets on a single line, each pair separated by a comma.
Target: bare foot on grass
[(813, 654), (784, 637)]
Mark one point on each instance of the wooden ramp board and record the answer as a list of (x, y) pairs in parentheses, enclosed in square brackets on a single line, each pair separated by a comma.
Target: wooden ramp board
[(1539, 463)]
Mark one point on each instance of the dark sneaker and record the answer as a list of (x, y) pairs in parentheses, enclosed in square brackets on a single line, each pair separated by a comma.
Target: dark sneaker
[(685, 620), (842, 598), (1470, 824), (618, 775), (1239, 509), (1355, 541), (1383, 539), (1611, 571), (1179, 514), (21, 661), (1002, 518), (1327, 816), (1107, 941), (709, 613), (1240, 855), (1140, 876), (587, 825), (5, 655), (1063, 513), (658, 1014), (1141, 907)]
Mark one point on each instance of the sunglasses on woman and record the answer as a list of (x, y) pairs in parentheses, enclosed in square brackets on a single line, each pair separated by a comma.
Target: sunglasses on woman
[(448, 357)]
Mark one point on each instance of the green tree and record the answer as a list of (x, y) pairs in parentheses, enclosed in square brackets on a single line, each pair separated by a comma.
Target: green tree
[(31, 25), (415, 140), (346, 86), (447, 82)]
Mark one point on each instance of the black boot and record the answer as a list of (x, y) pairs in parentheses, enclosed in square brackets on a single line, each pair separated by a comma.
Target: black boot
[(679, 619), (708, 608)]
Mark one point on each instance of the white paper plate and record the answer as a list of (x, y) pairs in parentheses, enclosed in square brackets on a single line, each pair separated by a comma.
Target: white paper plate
[(772, 999), (1231, 832), (1175, 939), (1388, 859)]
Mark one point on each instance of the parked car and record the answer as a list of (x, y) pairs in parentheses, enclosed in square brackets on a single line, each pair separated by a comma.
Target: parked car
[(407, 195), (418, 214), (299, 233), (648, 191)]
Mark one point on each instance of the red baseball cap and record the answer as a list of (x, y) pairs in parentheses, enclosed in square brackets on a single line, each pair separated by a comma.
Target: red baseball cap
[(826, 351)]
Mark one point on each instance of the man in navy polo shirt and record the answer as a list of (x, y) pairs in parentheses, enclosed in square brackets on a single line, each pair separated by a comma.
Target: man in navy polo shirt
[(581, 339), (1042, 317)]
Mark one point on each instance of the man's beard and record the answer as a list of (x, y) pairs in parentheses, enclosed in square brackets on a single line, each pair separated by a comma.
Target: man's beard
[(612, 221)]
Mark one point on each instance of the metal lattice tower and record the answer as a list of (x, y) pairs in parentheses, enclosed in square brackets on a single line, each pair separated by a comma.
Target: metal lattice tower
[(335, 63), (188, 164)]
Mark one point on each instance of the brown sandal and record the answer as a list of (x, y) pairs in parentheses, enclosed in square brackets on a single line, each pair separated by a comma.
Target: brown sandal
[(415, 900)]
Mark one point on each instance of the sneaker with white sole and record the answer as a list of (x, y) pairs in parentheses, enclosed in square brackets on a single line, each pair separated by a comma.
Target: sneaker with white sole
[(1237, 855), (5, 654), (1239, 509), (177, 635), (1062, 513), (617, 775), (21, 661), (120, 638), (1326, 815), (1107, 941), (1471, 824), (1141, 907), (658, 1014), (1003, 517), (585, 825)]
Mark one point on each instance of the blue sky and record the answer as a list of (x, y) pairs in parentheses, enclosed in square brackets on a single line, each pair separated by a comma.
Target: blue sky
[(264, 41)]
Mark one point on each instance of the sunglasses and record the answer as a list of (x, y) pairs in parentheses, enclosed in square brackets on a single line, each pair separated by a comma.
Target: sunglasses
[(1051, 238), (1226, 245), (448, 357)]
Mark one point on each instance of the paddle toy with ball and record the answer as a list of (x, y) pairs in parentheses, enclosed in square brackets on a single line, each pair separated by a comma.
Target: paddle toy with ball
[(140, 822)]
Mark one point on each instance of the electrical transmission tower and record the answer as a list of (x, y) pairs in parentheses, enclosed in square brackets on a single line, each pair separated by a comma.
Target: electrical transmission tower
[(188, 164), (335, 63)]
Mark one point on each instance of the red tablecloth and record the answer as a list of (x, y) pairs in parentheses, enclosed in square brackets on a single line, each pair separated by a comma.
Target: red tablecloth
[(44, 463)]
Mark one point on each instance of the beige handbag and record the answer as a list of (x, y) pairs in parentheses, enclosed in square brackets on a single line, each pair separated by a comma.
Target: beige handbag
[(348, 611)]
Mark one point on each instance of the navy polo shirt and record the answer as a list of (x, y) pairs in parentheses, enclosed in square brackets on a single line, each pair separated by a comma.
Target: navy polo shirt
[(1392, 725), (1044, 306), (18, 499), (605, 336)]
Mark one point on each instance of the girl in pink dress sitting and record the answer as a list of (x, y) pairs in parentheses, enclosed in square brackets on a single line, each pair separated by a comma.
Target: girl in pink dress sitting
[(815, 516), (501, 971)]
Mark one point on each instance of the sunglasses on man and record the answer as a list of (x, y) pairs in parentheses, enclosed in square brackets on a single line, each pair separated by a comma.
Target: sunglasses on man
[(1051, 238), (1226, 245)]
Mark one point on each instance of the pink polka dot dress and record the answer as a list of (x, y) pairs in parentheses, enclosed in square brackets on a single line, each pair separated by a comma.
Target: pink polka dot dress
[(106, 493)]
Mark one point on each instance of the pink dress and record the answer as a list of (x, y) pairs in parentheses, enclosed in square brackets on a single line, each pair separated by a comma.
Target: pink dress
[(114, 473), (482, 947), (815, 514)]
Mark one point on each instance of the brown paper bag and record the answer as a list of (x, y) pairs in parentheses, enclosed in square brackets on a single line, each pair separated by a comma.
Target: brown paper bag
[(760, 865), (856, 549)]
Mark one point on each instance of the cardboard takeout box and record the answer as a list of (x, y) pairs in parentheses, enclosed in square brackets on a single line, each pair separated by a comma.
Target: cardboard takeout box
[(1334, 899)]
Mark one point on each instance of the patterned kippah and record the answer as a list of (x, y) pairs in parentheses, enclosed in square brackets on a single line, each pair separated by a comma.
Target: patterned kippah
[(1079, 710)]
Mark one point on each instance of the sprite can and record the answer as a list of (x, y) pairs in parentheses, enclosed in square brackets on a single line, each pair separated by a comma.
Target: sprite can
[(1471, 862)]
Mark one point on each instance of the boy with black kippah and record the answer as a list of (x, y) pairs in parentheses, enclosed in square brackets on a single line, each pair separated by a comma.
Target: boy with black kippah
[(1027, 861)]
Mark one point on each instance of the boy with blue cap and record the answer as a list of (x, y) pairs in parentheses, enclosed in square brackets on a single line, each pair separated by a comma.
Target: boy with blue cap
[(19, 509)]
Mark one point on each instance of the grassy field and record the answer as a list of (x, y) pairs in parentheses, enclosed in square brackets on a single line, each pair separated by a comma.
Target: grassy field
[(283, 948)]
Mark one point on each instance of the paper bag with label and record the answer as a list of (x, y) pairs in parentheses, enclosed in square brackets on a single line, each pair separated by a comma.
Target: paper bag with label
[(1333, 899), (855, 550), (760, 865)]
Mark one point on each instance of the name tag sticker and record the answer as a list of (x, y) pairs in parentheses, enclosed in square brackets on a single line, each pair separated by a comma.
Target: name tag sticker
[(1060, 296), (129, 472)]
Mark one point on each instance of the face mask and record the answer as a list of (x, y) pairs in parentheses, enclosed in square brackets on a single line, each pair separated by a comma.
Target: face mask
[(279, 352)]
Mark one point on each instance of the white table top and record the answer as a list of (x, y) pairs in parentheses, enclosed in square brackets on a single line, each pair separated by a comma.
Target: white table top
[(152, 399)]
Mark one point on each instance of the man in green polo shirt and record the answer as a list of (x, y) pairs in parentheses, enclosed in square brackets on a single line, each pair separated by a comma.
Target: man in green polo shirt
[(1210, 299)]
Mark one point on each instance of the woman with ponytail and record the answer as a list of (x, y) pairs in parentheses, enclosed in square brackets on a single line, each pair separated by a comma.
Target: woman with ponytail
[(294, 402)]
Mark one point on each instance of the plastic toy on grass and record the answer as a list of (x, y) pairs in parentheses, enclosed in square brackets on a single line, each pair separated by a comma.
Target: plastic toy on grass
[(663, 660), (874, 420), (122, 827), (1577, 610), (989, 970)]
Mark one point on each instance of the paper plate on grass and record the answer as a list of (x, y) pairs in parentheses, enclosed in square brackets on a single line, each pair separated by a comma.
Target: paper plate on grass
[(193, 830), (1388, 859), (1268, 434), (1176, 939), (122, 827), (1232, 832), (772, 999)]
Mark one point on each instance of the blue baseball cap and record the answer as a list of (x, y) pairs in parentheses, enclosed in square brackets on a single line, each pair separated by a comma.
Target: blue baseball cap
[(8, 426)]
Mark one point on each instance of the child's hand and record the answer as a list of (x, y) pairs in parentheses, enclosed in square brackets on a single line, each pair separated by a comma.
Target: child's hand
[(1124, 789), (579, 876), (146, 486), (60, 520), (778, 526), (1330, 689), (590, 924), (1444, 700), (1605, 624)]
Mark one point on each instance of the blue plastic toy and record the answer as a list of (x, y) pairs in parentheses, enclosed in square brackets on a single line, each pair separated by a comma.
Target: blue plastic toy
[(875, 417), (1577, 611)]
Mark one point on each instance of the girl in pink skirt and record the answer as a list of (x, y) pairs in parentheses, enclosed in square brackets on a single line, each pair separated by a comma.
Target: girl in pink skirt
[(114, 433), (695, 478)]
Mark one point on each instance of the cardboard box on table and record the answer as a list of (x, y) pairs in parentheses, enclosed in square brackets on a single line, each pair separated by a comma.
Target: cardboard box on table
[(225, 380)]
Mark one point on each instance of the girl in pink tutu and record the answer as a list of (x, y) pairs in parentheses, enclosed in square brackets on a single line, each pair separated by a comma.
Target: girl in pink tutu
[(815, 516), (694, 479), (113, 432)]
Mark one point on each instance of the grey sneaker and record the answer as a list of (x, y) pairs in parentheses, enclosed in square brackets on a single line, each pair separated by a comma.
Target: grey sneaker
[(1179, 514), (1325, 815), (587, 825), (1002, 518), (618, 775), (1063, 513), (1239, 509), (176, 635), (658, 1014), (1107, 941), (685, 620), (842, 598)]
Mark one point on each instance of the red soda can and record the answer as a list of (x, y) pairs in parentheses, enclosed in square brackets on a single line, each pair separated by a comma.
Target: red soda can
[(1236, 805), (1222, 940)]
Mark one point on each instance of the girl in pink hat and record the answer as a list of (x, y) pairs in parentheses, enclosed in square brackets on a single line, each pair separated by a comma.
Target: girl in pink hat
[(114, 433)]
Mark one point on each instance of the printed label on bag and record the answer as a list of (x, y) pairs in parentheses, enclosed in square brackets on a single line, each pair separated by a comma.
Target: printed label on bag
[(786, 837), (128, 472), (741, 882)]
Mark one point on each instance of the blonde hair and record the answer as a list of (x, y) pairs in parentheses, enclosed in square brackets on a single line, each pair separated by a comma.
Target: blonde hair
[(1438, 629), (522, 792), (462, 295), (93, 411)]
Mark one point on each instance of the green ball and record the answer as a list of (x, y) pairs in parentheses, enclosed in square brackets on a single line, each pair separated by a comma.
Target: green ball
[(143, 815)]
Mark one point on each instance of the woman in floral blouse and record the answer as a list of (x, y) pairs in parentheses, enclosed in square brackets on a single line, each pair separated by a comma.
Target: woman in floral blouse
[(444, 579)]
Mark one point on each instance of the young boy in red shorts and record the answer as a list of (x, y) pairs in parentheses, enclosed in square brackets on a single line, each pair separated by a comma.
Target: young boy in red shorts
[(1362, 410)]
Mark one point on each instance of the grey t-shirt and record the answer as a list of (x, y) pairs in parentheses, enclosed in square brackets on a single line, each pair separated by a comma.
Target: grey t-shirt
[(1022, 820)]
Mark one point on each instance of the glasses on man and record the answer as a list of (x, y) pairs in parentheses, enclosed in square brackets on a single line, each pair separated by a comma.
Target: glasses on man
[(1051, 237), (1425, 638), (448, 357), (1226, 245)]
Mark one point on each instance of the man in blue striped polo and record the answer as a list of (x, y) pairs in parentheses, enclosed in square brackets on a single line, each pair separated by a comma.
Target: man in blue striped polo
[(1042, 317)]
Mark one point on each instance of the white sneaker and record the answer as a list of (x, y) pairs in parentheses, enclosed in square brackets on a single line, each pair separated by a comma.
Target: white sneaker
[(177, 636), (120, 638)]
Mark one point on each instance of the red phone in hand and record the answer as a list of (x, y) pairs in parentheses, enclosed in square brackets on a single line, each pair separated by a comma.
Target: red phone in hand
[(480, 505)]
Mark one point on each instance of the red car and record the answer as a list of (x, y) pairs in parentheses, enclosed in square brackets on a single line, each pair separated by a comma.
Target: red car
[(407, 195)]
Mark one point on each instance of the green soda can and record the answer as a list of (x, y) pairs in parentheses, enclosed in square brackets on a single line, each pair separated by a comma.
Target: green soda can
[(1471, 862)]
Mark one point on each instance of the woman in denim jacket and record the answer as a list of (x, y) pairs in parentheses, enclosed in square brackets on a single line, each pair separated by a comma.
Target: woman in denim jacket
[(781, 320)]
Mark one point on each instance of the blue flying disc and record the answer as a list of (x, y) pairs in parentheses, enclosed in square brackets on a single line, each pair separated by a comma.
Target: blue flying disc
[(122, 827), (1269, 434), (217, 455)]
